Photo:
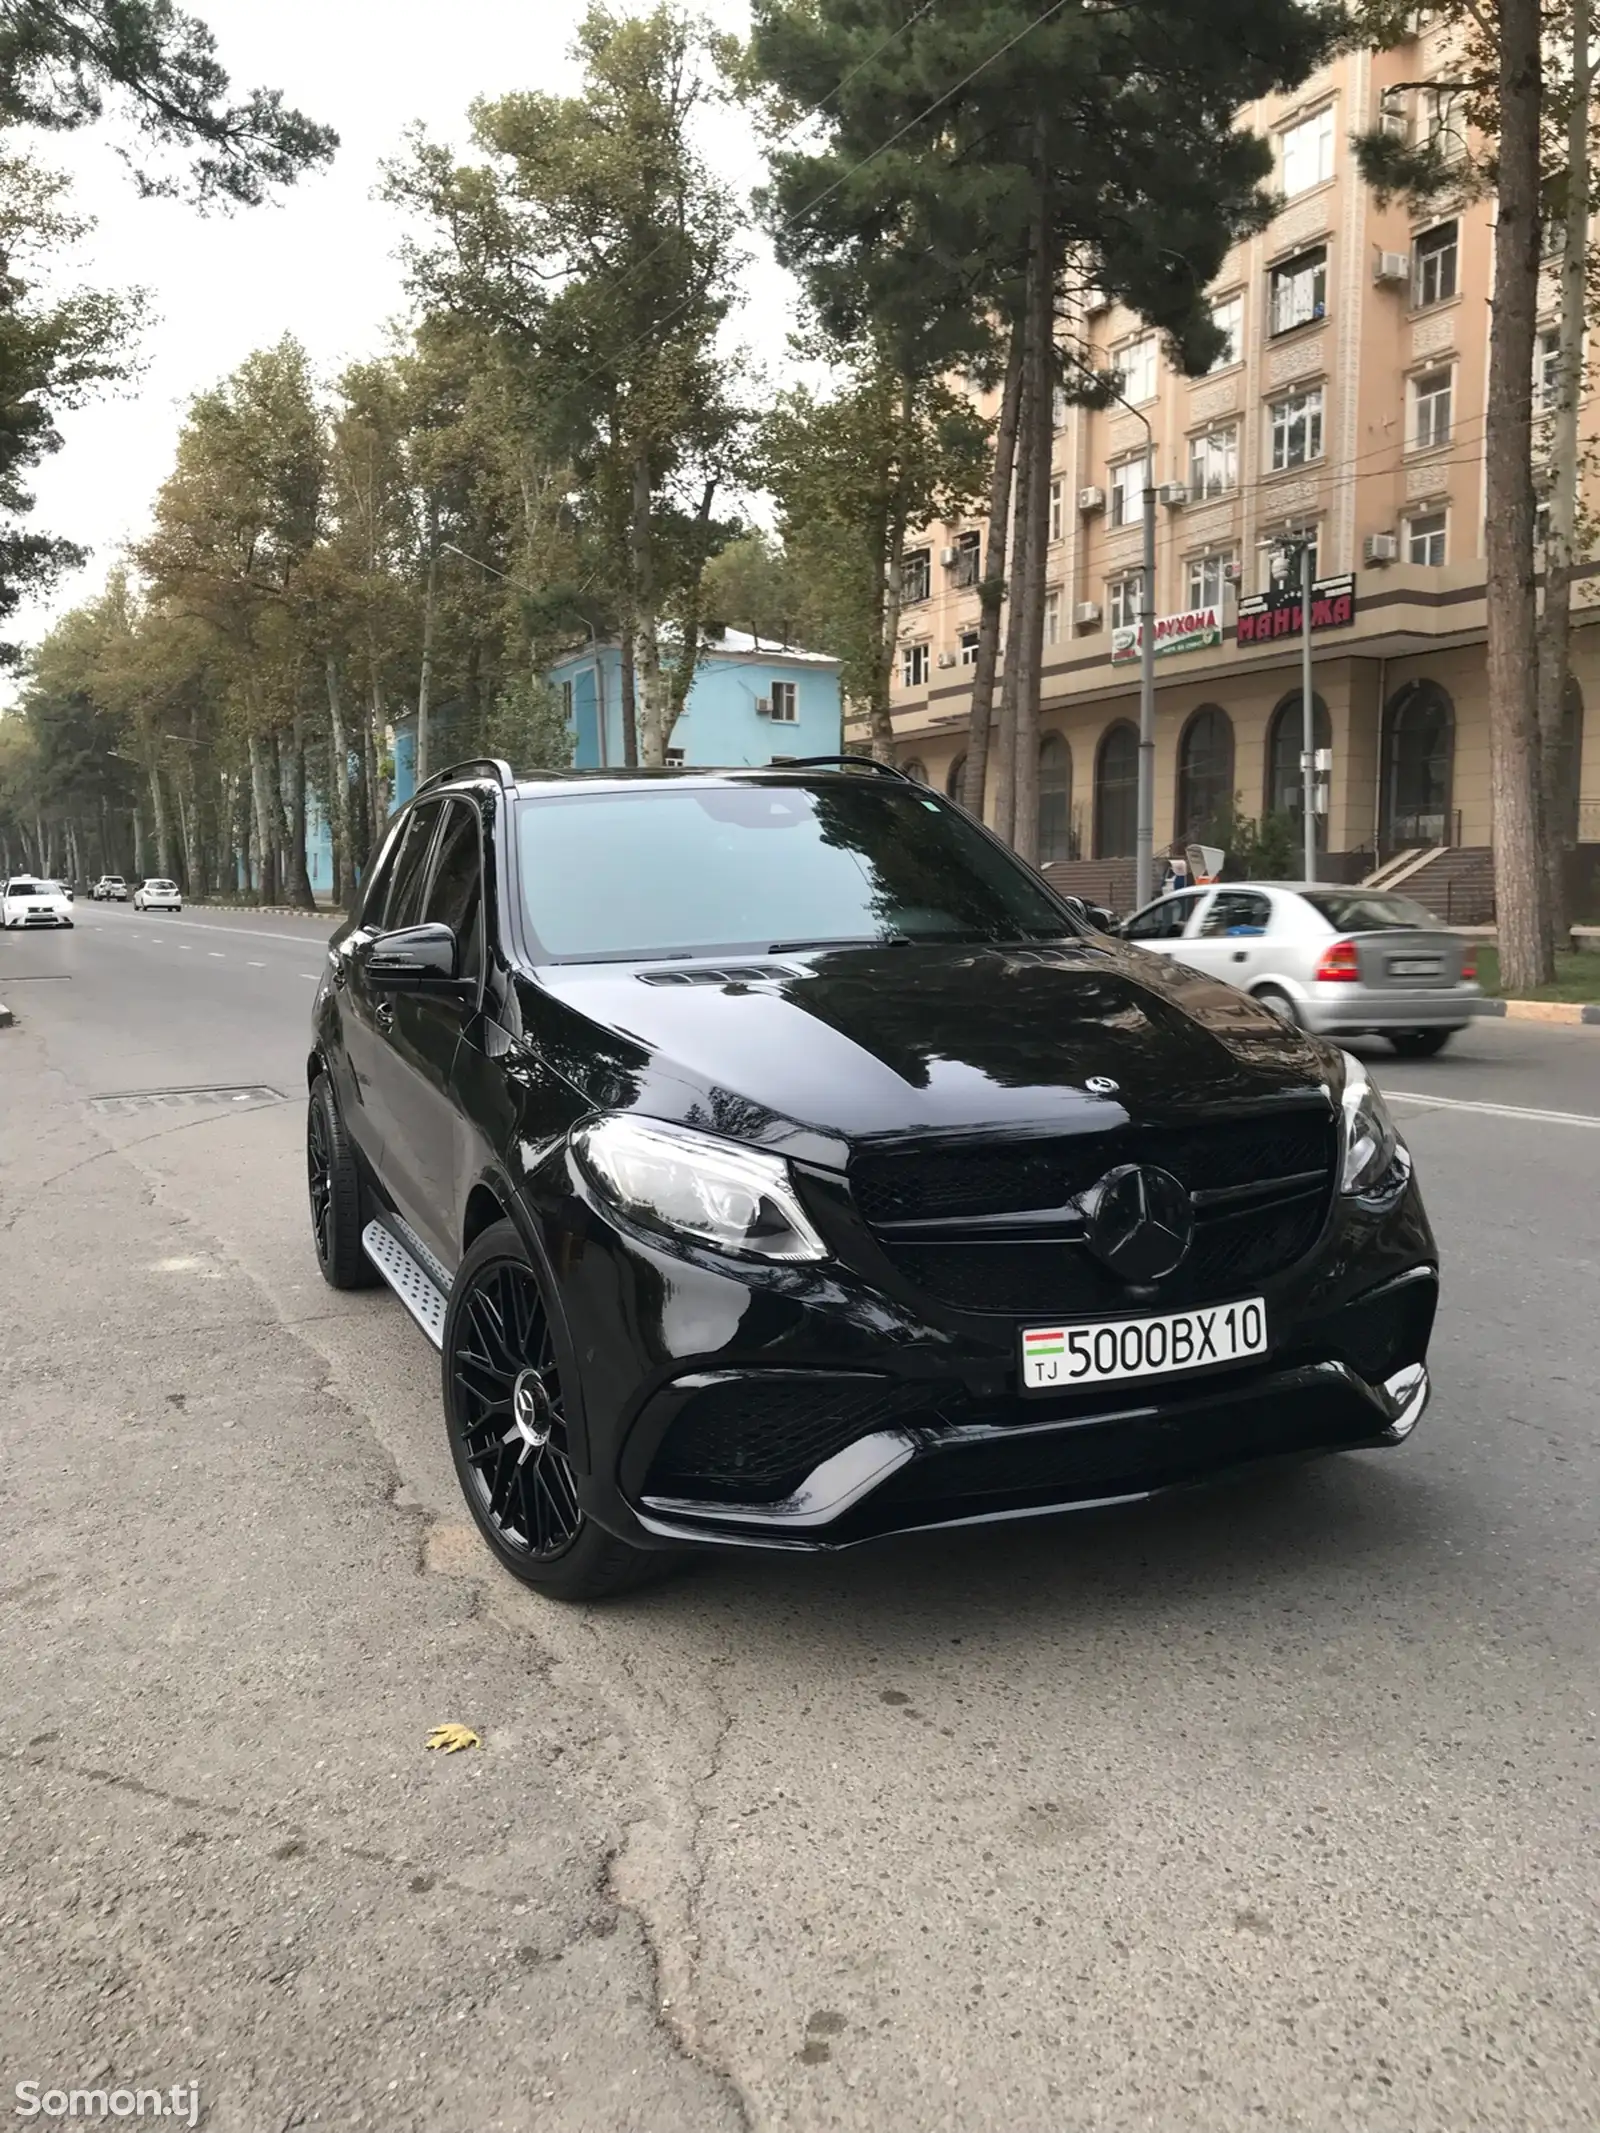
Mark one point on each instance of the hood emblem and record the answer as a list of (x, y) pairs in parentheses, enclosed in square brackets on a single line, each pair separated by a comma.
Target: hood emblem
[(1141, 1222), (1101, 1085)]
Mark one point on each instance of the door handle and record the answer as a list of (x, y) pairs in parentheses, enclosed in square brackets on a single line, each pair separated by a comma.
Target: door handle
[(1241, 955), (383, 1015)]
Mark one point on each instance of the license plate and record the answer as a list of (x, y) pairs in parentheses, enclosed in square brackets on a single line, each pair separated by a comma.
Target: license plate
[(1056, 1357), (1414, 966)]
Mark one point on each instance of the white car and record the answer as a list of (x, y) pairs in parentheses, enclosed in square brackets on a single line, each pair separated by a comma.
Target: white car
[(28, 900), (157, 896), (1342, 962)]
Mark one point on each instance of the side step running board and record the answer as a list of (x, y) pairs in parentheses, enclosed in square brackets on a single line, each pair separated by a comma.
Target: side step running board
[(401, 1263)]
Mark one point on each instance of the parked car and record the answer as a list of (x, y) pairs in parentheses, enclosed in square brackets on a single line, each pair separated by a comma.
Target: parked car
[(110, 888), (777, 1163), (157, 896), (28, 900), (1342, 962)]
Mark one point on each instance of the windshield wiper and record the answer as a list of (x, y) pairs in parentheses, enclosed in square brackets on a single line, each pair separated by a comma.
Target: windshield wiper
[(849, 940)]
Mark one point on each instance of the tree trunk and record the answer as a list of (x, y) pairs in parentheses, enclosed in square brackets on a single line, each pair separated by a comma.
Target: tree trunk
[(138, 843), (1040, 365), (630, 703), (647, 649), (1560, 552), (1522, 912), (296, 872), (425, 679), (339, 788), (880, 711), (1005, 805), (186, 826), (375, 793), (688, 661), (162, 822), (265, 849), (992, 589)]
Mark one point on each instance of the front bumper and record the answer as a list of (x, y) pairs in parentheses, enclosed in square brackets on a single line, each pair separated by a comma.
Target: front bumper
[(812, 1408), (1356, 1010)]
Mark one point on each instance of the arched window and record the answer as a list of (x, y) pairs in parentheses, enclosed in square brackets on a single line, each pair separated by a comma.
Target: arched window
[(1205, 777), (1116, 792), (952, 783), (1285, 793), (915, 771), (1419, 745), (1569, 764), (1055, 799)]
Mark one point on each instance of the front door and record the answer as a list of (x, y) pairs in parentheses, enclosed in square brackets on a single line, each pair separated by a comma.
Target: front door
[(1230, 937), (365, 1015)]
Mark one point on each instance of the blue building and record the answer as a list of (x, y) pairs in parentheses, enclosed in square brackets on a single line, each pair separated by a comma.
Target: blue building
[(751, 703)]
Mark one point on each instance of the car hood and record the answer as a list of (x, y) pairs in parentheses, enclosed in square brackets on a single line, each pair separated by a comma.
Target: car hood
[(864, 1043)]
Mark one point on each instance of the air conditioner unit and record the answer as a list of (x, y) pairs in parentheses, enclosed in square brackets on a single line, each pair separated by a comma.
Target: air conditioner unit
[(1380, 548), (1233, 573), (1086, 615), (1391, 116), (947, 556), (763, 707), (1172, 493), (1392, 267), (1095, 300), (1091, 499), (947, 659)]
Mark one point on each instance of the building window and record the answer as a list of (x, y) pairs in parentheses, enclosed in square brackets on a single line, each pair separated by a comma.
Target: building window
[(969, 648), (1425, 538), (1127, 492), (1058, 521), (1296, 427), (566, 703), (1136, 363), (1431, 395), (968, 560), (1055, 799), (916, 771), (1208, 578), (1307, 151), (1116, 793), (1052, 614), (955, 778), (1058, 407), (1434, 259), (674, 758), (915, 576), (1438, 126), (1227, 315), (1124, 598), (1291, 538), (1205, 776), (785, 709), (1547, 373), (1214, 462), (1286, 786), (1299, 290), (913, 666)]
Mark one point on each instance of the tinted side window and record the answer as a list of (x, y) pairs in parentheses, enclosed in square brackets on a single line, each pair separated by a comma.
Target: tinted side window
[(1236, 911), (403, 906), (1164, 921), (455, 894)]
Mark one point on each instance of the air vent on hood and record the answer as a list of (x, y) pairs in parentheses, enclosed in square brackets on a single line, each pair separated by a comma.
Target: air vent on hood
[(724, 974)]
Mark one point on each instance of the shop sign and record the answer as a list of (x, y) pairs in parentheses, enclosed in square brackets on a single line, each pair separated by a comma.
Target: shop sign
[(1268, 615), (1192, 631)]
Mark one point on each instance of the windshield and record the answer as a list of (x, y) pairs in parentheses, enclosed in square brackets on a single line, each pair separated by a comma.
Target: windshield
[(23, 888), (162, 885), (1363, 911), (688, 870)]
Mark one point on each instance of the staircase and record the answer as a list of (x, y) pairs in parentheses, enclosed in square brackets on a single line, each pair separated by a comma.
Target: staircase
[(1454, 881), (1401, 866), (1107, 882)]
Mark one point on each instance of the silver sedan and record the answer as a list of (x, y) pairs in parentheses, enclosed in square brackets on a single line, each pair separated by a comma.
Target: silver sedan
[(1343, 962)]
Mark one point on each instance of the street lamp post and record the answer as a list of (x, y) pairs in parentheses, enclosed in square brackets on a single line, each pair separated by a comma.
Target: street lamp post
[(1308, 723), (1144, 845)]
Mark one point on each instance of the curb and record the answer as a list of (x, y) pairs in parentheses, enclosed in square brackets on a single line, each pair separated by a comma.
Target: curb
[(1567, 1011)]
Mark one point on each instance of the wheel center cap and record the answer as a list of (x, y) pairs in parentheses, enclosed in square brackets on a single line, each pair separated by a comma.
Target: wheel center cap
[(529, 1410)]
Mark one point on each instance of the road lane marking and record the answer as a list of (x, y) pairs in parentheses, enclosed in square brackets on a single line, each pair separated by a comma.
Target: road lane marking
[(255, 966), (217, 952), (332, 920), (1486, 1110), (313, 975)]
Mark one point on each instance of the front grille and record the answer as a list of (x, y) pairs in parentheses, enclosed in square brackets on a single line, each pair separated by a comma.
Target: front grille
[(919, 1185), (1127, 1457), (755, 1439)]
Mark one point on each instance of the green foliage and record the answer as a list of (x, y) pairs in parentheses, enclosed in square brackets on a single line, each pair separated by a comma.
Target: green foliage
[(526, 726), (770, 590)]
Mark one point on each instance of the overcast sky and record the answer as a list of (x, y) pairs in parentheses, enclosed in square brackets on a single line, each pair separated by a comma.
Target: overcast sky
[(319, 263)]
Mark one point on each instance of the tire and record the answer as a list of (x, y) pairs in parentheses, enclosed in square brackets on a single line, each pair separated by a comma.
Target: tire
[(1419, 1043), (1277, 1002), (500, 1368), (337, 1201)]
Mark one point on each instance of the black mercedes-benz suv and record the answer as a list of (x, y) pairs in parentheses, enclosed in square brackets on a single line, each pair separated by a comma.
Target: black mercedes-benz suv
[(777, 1163)]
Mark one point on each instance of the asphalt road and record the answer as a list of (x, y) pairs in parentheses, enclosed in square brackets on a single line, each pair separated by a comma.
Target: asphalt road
[(1269, 1808)]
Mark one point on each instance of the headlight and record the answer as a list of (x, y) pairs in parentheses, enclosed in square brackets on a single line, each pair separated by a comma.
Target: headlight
[(1370, 1139), (692, 1185)]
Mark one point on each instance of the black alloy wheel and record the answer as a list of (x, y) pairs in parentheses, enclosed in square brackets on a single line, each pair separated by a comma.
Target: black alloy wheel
[(334, 1186), (1420, 1043), (507, 1421)]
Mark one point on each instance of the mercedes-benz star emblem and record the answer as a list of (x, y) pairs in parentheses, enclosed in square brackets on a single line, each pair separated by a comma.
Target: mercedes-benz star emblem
[(1101, 1085), (1141, 1222), (528, 1415)]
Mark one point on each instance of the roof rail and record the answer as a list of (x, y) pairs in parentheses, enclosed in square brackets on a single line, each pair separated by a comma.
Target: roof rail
[(844, 762), (492, 766)]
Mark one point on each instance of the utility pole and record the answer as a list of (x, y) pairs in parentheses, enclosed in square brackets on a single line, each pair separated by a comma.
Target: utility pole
[(1308, 723), (1144, 864)]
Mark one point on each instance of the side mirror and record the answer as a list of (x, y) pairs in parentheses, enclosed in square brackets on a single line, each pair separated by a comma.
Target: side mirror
[(413, 959)]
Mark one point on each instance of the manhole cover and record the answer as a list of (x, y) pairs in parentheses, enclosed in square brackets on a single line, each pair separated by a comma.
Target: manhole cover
[(217, 1098)]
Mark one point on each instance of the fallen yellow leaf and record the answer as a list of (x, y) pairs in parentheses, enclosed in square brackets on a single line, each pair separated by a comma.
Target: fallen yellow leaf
[(450, 1738)]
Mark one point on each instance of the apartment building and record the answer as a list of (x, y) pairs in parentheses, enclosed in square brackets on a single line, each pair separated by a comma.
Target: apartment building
[(1348, 409)]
